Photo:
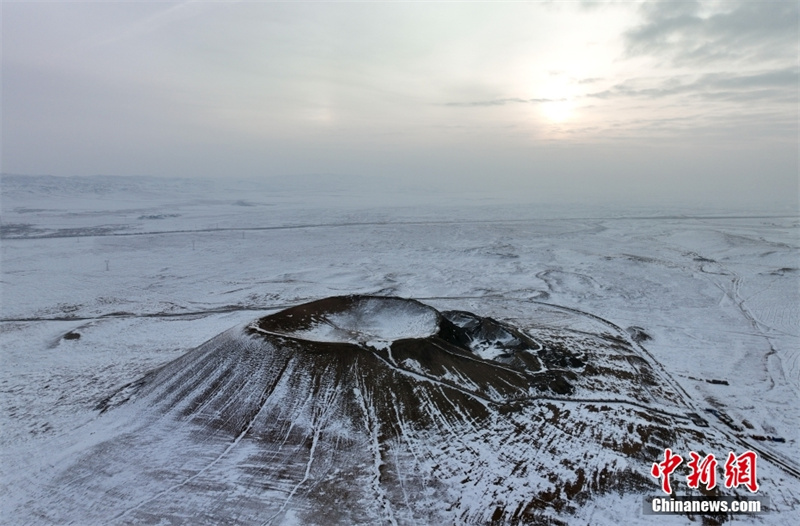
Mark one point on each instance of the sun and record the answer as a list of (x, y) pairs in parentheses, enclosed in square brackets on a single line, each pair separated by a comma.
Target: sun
[(556, 99), (558, 111)]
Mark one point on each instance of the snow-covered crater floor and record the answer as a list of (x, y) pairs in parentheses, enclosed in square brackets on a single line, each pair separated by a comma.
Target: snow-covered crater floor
[(367, 320)]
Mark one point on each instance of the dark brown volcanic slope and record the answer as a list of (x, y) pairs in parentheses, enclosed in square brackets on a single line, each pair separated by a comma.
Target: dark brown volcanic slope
[(368, 410)]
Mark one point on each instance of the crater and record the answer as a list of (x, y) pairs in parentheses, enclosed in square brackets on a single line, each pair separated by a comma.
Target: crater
[(354, 319)]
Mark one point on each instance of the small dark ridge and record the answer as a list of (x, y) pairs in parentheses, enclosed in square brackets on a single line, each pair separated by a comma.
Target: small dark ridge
[(72, 335), (697, 419), (158, 216), (762, 438), (638, 334), (725, 419)]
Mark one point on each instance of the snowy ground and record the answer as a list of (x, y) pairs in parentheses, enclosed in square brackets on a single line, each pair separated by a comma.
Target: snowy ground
[(145, 269)]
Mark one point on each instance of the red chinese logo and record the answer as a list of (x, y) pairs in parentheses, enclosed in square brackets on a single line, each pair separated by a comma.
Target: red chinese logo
[(739, 470), (704, 471), (665, 469)]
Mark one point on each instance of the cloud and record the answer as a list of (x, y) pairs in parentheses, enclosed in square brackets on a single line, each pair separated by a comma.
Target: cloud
[(686, 33), (772, 85), (499, 102)]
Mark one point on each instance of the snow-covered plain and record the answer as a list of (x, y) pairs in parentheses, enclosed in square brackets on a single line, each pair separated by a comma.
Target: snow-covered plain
[(146, 269)]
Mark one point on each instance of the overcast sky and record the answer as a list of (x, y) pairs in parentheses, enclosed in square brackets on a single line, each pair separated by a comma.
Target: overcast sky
[(679, 101)]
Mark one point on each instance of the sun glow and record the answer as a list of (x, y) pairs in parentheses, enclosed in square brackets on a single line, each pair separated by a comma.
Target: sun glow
[(556, 96), (558, 110)]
